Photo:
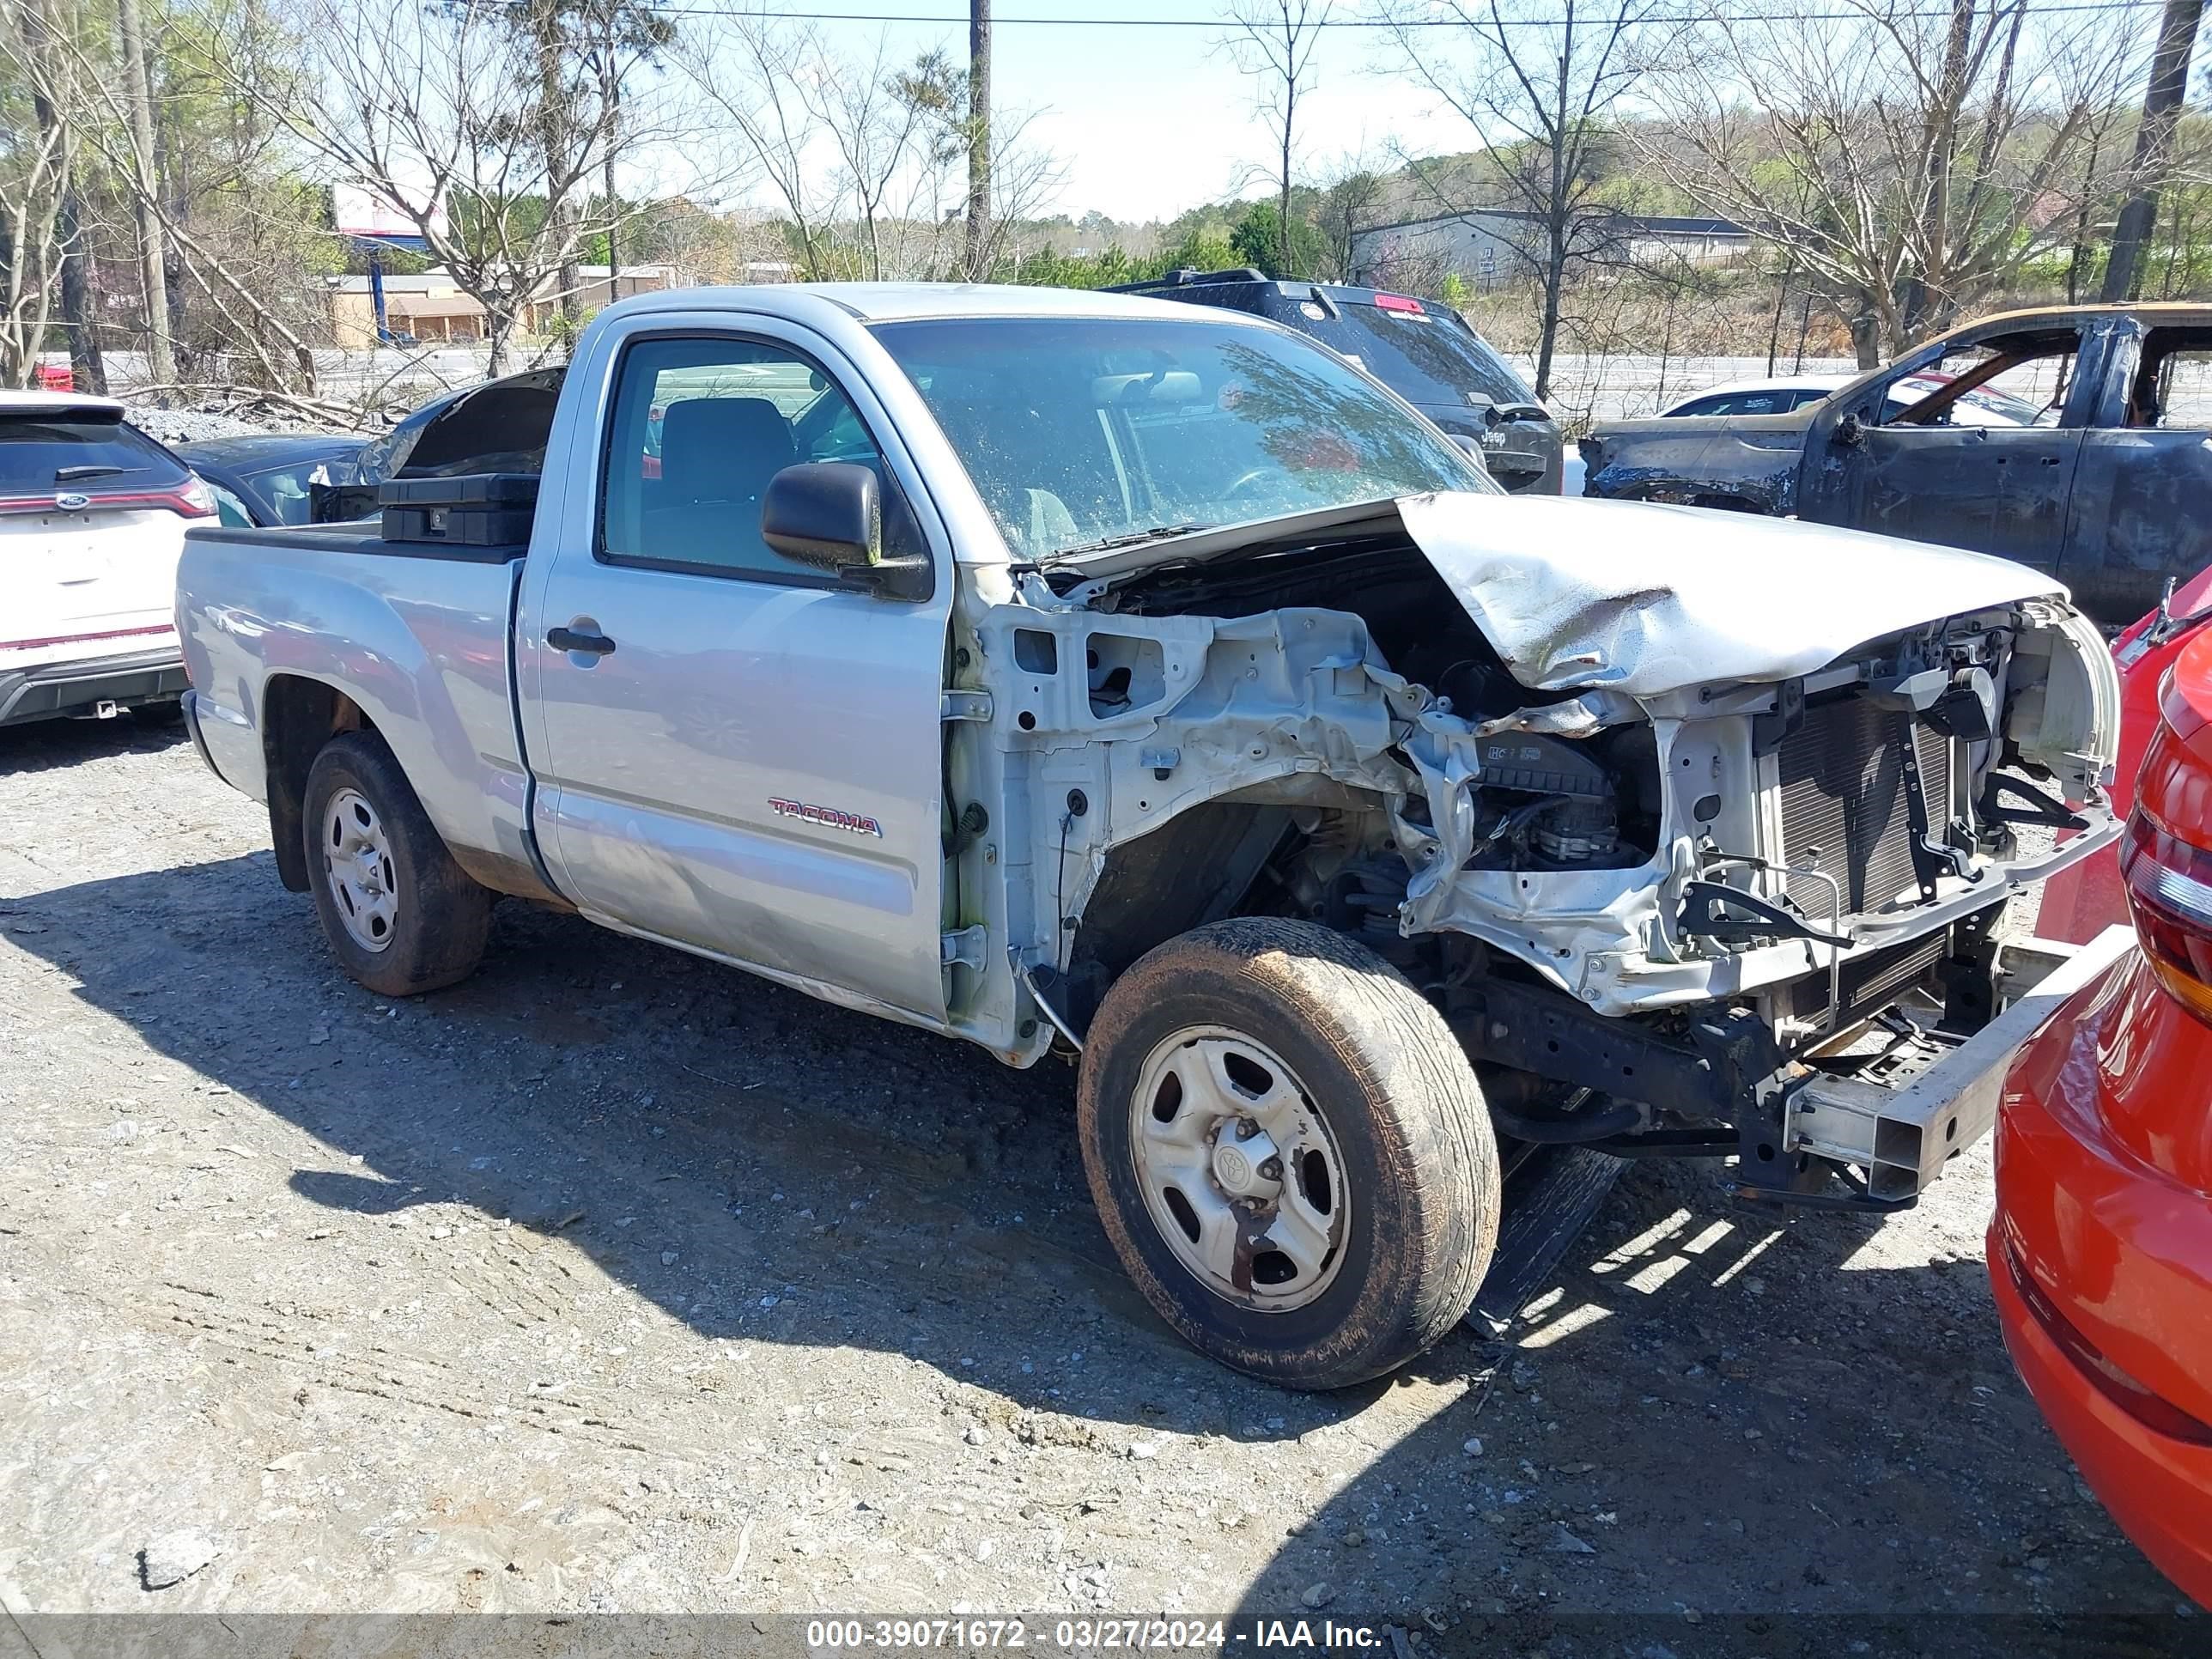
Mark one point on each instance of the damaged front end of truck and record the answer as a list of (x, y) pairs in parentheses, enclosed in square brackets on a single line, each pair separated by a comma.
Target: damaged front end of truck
[(1699, 843)]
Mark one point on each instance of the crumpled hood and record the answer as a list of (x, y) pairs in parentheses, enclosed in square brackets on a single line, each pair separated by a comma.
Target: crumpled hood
[(1643, 598)]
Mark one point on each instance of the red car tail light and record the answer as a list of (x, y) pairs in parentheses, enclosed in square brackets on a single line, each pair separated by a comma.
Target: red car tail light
[(192, 499), (2169, 885), (1397, 303), (2152, 1411)]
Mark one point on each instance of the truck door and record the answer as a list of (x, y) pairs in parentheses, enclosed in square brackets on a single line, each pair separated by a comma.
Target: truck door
[(2138, 513), (733, 752), (1963, 445)]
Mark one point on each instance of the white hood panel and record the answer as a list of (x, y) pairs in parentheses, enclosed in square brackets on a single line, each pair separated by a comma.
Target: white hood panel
[(1643, 598)]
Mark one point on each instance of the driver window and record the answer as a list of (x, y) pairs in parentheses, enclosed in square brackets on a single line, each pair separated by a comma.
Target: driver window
[(2173, 389), (2015, 382), (700, 427)]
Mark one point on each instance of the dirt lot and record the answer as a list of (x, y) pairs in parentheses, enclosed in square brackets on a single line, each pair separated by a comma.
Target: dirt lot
[(614, 1280)]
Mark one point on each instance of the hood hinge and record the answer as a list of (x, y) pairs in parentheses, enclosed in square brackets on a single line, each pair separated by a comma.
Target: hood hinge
[(964, 948)]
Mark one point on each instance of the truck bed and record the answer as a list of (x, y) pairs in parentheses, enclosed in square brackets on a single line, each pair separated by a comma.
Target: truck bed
[(363, 537), (277, 623)]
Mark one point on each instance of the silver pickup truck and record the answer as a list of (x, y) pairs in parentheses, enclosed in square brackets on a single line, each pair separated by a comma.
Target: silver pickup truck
[(1090, 673)]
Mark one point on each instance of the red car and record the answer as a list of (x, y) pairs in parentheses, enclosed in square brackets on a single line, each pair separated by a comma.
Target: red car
[(2100, 1254), (2084, 899)]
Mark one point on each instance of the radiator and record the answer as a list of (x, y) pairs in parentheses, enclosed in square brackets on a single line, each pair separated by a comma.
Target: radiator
[(1870, 983), (1843, 803)]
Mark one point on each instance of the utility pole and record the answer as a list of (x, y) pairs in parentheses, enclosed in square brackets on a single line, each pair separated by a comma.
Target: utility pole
[(131, 39), (2169, 80), (979, 138)]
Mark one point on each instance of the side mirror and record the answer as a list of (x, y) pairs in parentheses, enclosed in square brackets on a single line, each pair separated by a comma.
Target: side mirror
[(829, 514), (1471, 448), (1850, 430)]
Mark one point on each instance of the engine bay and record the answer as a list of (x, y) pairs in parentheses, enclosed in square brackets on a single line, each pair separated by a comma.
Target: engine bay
[(1441, 750)]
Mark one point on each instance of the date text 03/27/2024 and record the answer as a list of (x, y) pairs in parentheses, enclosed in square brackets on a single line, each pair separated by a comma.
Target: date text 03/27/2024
[(1093, 1635)]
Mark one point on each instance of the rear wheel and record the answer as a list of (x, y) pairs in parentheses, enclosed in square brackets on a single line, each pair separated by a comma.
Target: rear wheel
[(1290, 1152), (398, 912)]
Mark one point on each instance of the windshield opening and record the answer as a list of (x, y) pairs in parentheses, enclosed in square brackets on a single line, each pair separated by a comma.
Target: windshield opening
[(1083, 430)]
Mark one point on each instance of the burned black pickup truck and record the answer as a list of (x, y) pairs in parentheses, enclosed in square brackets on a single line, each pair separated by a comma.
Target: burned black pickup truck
[(2077, 441)]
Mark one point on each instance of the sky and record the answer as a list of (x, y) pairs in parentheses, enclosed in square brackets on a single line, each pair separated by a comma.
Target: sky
[(1148, 122)]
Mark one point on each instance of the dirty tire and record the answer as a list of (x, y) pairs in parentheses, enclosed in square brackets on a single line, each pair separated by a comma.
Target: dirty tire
[(444, 918), (1421, 1161)]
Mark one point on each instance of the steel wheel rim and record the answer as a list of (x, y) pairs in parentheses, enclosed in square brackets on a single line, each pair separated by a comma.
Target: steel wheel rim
[(357, 865), (1213, 1111)]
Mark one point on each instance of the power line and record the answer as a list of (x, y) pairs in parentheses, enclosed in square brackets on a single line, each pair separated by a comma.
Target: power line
[(1714, 15)]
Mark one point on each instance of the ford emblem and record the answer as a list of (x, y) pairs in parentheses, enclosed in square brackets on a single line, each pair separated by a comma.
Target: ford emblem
[(72, 502)]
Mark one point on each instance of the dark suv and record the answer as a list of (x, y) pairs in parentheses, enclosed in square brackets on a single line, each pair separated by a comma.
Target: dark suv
[(1422, 350)]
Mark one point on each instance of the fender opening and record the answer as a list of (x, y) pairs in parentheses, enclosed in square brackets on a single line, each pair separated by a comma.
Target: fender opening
[(298, 717), (1240, 856)]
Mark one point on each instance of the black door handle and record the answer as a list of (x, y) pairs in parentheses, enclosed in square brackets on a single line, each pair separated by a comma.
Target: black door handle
[(568, 639)]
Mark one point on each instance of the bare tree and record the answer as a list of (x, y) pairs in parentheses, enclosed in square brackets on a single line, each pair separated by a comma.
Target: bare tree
[(222, 199), (1274, 45), (1540, 82), (138, 102), (877, 122), (749, 69), (1353, 199), (1026, 180), (36, 154), (861, 157), (2161, 115), (976, 263), (1905, 164), (449, 115), (1023, 179), (607, 38)]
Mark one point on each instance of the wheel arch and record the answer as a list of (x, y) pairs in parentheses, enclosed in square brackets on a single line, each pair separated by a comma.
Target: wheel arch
[(477, 807), (298, 715), (1209, 862)]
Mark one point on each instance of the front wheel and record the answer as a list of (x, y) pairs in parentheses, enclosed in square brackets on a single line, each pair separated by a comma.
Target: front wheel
[(1289, 1151), (400, 916)]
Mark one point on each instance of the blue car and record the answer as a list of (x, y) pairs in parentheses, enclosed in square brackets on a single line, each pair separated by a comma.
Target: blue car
[(268, 478)]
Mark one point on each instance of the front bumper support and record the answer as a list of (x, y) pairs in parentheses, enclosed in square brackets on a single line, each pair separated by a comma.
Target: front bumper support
[(1903, 1135), (1721, 1080)]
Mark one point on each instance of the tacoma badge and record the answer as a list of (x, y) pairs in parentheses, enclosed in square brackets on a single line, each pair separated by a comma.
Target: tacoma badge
[(828, 816)]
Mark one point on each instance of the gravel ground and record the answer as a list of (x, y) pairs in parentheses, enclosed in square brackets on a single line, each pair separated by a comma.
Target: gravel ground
[(191, 426), (614, 1279)]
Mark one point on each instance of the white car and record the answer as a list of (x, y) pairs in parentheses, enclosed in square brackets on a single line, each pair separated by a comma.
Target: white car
[(1984, 406), (91, 520)]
